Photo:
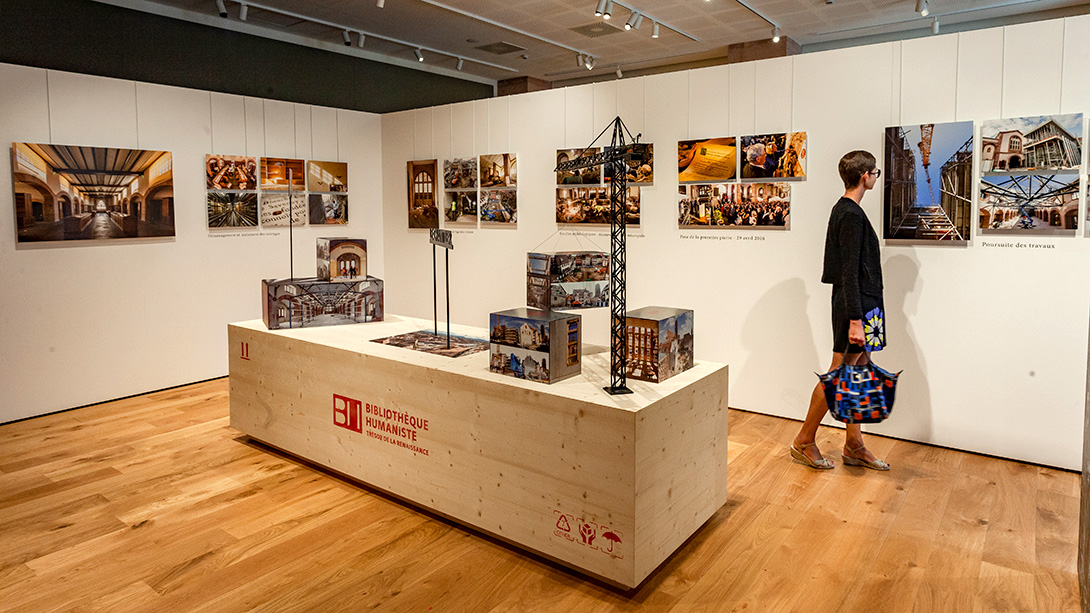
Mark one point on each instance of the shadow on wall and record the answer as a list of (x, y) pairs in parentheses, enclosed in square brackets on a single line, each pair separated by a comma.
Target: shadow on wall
[(780, 314), (911, 416)]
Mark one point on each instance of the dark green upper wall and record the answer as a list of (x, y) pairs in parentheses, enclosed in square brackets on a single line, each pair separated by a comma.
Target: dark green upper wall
[(94, 38)]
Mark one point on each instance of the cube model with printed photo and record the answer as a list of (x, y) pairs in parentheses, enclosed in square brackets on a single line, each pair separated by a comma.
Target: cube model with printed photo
[(567, 280), (311, 302), (660, 342), (342, 259), (535, 345)]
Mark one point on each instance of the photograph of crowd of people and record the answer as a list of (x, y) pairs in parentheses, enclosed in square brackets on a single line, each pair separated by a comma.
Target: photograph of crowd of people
[(1031, 144), (460, 173), (499, 206), (327, 177), (435, 344), (591, 205), (780, 156), (499, 170), (232, 209), (460, 208), (328, 209), (275, 173), (274, 209), (423, 204), (235, 172), (708, 160), (734, 205), (641, 165), (591, 175), (1029, 204)]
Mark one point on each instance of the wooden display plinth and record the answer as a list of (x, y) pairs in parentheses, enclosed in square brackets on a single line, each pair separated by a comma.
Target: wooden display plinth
[(608, 485)]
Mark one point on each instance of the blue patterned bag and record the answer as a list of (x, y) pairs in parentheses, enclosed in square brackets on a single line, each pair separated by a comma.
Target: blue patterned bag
[(859, 394)]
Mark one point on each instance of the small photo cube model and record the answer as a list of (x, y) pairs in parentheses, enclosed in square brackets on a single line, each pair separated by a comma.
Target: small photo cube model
[(304, 303), (342, 259), (535, 345), (660, 343), (567, 280)]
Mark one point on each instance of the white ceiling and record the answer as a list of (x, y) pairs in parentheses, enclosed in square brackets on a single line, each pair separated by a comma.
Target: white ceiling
[(544, 28)]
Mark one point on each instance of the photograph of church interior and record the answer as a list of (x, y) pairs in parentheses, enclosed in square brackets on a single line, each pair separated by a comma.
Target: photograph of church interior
[(200, 415)]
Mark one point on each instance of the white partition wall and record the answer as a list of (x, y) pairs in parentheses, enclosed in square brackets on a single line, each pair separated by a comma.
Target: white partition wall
[(992, 339), (87, 321)]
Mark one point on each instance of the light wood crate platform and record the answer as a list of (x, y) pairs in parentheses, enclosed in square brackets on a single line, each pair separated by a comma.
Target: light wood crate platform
[(608, 485)]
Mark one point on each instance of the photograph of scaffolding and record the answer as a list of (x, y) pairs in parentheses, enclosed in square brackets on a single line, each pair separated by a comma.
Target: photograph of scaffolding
[(922, 205), (1030, 204)]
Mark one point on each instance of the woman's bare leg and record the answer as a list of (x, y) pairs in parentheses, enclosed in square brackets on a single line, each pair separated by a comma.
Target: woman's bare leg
[(814, 414)]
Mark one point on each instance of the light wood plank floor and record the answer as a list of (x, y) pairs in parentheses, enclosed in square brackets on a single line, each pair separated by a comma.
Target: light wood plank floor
[(155, 504)]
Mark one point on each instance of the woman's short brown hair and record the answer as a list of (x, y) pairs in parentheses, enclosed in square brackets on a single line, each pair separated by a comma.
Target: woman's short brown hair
[(854, 165)]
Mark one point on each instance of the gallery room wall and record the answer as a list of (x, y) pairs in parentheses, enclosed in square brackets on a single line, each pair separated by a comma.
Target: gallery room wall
[(87, 321), (992, 339)]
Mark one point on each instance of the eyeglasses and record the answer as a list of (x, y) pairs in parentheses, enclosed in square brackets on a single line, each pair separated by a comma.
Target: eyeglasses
[(877, 172)]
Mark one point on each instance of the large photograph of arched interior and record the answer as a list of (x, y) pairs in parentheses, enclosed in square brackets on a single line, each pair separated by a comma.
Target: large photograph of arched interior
[(591, 205), (778, 156), (735, 206), (66, 192), (1030, 204), (928, 182), (231, 209), (640, 163), (423, 204), (1038, 144), (274, 209), (591, 175), (707, 160)]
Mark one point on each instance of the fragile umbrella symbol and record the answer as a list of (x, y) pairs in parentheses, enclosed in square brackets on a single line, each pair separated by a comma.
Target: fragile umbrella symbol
[(612, 538)]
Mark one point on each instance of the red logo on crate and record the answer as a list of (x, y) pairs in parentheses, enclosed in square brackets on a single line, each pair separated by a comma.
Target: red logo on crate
[(245, 350), (348, 413)]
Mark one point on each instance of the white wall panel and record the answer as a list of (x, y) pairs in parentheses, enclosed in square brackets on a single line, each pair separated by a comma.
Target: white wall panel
[(743, 99), (579, 115), (461, 130), (441, 118), (86, 109), (896, 76), (423, 137), (980, 75), (481, 126), (325, 135), (772, 113), (255, 126), (605, 105), (304, 148), (279, 129), (1076, 90), (1033, 68), (499, 125), (228, 124), (630, 104), (667, 98), (709, 102), (929, 71)]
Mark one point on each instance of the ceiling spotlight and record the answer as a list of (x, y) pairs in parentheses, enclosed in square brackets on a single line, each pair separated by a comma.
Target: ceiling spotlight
[(222, 8), (244, 11), (460, 63), (347, 38), (776, 34), (921, 8), (606, 14), (589, 62), (655, 30), (639, 21), (935, 26), (579, 60), (419, 55), (620, 75), (359, 43), (631, 20), (380, 3), (600, 9)]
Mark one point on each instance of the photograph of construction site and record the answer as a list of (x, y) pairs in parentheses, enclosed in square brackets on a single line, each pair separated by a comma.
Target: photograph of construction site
[(591, 205), (499, 207), (922, 203), (460, 208), (460, 173), (436, 344), (1030, 204), (1031, 144), (640, 164), (735, 205), (580, 176)]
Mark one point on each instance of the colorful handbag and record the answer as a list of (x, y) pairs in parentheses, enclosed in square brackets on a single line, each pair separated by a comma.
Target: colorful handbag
[(859, 394)]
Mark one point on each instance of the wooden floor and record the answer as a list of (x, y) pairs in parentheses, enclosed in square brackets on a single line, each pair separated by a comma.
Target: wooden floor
[(154, 503)]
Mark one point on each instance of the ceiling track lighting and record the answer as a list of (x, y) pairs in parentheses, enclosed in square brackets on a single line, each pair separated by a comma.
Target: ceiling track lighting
[(935, 26), (633, 18), (620, 75), (579, 59), (347, 36), (222, 8), (460, 63), (608, 12), (600, 9), (921, 8), (654, 29), (243, 12), (359, 42), (419, 55), (380, 3), (589, 62), (776, 34)]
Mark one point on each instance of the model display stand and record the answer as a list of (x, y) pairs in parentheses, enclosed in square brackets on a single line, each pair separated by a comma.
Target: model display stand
[(535, 345), (660, 342), (299, 303), (342, 259), (567, 280), (610, 486)]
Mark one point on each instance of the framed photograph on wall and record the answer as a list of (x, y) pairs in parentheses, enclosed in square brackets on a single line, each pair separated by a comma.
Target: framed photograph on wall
[(499, 170), (69, 193), (423, 203), (276, 171), (581, 176), (591, 205), (773, 156), (231, 209), (460, 174), (708, 160), (1030, 204), (1029, 145), (641, 166), (274, 209), (499, 207), (230, 172), (735, 206), (928, 182), (460, 208)]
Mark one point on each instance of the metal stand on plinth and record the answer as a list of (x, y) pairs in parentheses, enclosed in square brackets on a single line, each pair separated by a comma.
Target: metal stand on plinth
[(444, 239), (614, 160)]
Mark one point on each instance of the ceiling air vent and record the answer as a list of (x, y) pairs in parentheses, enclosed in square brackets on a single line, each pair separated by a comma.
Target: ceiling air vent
[(501, 48), (596, 29)]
